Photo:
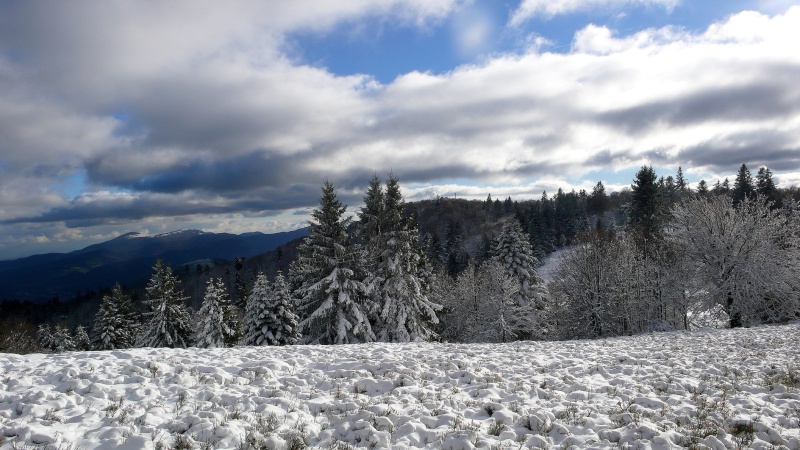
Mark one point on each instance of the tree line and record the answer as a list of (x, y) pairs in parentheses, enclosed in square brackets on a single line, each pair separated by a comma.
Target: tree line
[(657, 256)]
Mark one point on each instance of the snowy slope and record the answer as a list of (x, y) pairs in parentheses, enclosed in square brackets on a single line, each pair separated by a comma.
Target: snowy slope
[(719, 388)]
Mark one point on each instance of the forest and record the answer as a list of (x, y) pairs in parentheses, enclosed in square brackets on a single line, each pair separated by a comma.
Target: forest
[(658, 256)]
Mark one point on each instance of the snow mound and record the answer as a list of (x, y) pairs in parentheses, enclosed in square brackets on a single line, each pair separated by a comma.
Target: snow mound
[(715, 389)]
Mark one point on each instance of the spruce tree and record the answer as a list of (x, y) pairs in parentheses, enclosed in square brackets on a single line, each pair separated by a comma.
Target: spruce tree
[(680, 181), (270, 318), (406, 313), (765, 185), (62, 340), (240, 290), (372, 214), (743, 185), (328, 280), (217, 325), (598, 202), (702, 188), (44, 334), (513, 251), (81, 340), (258, 312), (167, 321), (645, 210), (115, 324)]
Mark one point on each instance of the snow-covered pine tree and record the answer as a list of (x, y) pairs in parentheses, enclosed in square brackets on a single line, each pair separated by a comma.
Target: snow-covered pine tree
[(270, 318), (371, 217), (216, 322), (371, 222), (514, 251), (327, 279), (115, 325), (44, 334), (287, 330), (62, 340), (257, 312), (81, 339), (406, 313), (167, 323)]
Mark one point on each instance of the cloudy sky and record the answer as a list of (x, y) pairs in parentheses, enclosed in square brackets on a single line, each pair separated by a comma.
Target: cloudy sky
[(153, 116)]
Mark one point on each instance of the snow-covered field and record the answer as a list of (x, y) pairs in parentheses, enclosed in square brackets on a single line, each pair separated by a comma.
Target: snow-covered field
[(714, 388)]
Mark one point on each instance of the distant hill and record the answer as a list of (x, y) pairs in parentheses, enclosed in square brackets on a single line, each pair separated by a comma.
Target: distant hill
[(127, 259)]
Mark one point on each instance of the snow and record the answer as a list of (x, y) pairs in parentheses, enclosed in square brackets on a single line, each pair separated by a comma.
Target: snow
[(550, 264), (712, 388)]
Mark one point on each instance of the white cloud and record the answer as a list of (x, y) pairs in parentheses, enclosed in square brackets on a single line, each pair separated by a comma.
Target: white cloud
[(548, 8), (224, 124)]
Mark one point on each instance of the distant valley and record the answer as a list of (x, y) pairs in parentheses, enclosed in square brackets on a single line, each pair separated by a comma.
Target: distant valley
[(127, 259)]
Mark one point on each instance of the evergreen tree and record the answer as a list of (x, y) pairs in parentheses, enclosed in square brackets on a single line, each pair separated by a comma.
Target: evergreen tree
[(721, 188), (645, 209), (239, 287), (743, 185), (216, 321), (765, 185), (330, 292), (514, 252), (406, 314), (680, 181), (62, 340), (372, 214), (702, 188), (258, 312), (115, 324), (44, 334), (598, 202), (270, 317), (167, 321), (452, 254), (81, 340)]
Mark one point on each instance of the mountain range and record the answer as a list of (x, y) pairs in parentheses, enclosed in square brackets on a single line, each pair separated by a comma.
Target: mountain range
[(127, 259)]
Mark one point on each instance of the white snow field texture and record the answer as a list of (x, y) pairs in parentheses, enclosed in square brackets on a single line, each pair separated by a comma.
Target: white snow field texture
[(705, 389)]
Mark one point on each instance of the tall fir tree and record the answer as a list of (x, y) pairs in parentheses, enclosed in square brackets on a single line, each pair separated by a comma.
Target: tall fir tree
[(239, 287), (680, 181), (513, 251), (115, 325), (645, 210), (327, 279), (406, 314), (258, 312), (598, 202), (167, 323), (743, 186), (765, 185), (217, 323), (371, 216)]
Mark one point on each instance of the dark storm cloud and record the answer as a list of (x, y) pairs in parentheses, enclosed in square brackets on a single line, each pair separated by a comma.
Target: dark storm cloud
[(250, 171), (758, 101), (723, 156)]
